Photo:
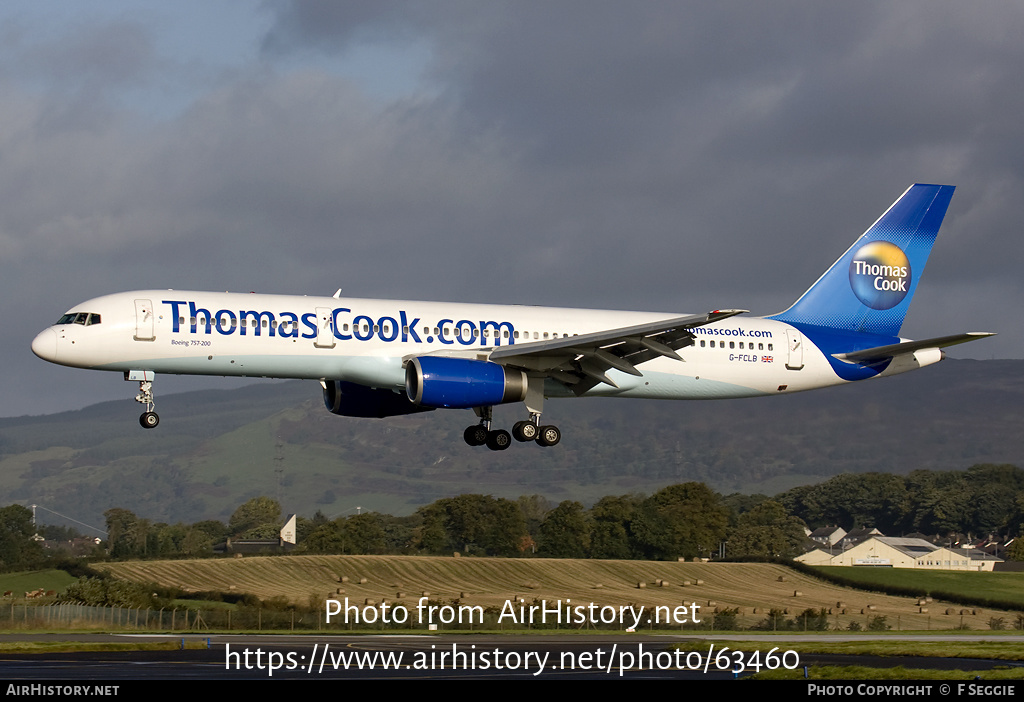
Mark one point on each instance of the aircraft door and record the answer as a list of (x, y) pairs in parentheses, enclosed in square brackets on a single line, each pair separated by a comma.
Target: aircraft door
[(325, 328), (144, 322), (795, 350)]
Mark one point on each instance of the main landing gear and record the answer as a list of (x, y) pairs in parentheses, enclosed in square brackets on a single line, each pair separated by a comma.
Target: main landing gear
[(148, 419), (498, 439)]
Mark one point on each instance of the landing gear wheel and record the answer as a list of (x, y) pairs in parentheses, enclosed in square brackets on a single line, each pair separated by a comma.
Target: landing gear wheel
[(524, 431), (498, 440), (549, 436), (149, 420), (475, 435)]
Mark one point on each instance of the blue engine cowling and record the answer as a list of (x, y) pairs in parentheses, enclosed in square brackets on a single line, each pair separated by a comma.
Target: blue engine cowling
[(354, 400), (460, 383)]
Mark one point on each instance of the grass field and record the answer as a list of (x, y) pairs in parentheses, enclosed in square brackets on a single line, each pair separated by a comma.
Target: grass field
[(28, 581), (997, 586), (753, 588)]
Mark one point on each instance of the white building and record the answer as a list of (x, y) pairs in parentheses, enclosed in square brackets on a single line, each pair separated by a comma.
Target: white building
[(895, 552)]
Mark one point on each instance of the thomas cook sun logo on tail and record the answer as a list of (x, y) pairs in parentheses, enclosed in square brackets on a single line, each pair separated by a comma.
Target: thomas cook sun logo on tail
[(880, 275)]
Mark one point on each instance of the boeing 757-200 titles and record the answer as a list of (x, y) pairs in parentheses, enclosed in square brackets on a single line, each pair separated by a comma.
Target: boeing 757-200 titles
[(379, 358)]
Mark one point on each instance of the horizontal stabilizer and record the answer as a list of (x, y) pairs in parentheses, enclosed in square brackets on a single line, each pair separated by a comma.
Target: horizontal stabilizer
[(879, 353)]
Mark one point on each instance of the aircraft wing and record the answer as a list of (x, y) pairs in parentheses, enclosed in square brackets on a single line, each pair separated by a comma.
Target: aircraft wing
[(583, 361), (881, 353)]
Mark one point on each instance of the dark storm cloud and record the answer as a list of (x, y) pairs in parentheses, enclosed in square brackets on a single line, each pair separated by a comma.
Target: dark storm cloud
[(692, 129)]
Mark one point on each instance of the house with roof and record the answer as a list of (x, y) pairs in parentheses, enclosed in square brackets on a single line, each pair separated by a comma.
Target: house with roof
[(901, 552)]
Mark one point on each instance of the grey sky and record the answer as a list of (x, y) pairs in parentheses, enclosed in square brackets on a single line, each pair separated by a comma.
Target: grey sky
[(654, 156)]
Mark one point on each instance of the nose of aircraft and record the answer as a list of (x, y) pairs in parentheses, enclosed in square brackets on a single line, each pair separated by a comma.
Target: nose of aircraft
[(45, 345)]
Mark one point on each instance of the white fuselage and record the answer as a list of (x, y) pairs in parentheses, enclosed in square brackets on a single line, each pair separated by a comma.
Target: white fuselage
[(368, 341)]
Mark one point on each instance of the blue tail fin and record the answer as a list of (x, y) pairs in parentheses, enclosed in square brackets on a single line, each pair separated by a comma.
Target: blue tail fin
[(869, 288)]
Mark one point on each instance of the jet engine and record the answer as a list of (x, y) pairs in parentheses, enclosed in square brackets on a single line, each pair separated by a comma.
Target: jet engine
[(460, 383), (354, 400)]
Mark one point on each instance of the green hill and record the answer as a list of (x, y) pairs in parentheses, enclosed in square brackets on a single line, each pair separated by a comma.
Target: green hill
[(216, 449)]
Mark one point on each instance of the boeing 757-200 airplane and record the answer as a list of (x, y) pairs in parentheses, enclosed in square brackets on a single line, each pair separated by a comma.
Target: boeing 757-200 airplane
[(379, 358)]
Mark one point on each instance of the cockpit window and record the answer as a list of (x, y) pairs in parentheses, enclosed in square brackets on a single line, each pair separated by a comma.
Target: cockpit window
[(84, 318)]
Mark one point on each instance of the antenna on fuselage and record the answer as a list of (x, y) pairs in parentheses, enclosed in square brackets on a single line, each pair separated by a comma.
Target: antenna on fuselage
[(337, 294)]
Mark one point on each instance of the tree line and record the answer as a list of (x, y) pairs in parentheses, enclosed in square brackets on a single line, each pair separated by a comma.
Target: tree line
[(686, 520)]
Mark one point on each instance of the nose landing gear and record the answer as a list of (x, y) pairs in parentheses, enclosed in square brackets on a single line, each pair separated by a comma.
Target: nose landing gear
[(149, 419)]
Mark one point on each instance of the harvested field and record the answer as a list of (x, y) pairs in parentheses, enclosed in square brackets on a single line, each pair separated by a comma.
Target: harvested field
[(752, 587)]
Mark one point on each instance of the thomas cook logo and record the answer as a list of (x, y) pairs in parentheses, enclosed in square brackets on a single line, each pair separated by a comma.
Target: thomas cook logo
[(880, 275)]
